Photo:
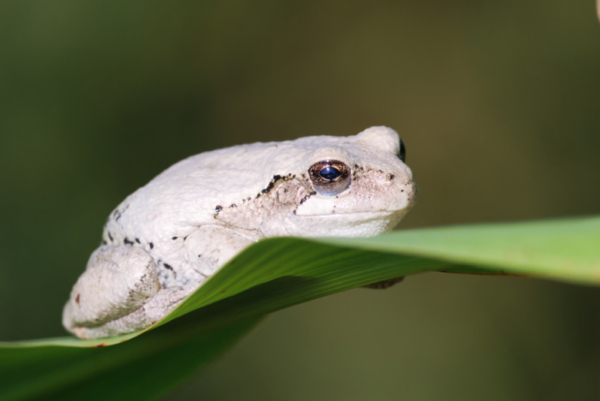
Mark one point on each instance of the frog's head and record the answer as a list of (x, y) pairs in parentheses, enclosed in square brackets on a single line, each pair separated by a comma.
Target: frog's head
[(345, 186)]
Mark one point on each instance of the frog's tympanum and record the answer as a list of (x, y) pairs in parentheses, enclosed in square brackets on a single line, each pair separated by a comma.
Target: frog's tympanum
[(169, 236)]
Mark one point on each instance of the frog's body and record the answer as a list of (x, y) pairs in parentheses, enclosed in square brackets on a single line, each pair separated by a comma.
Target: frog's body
[(165, 239)]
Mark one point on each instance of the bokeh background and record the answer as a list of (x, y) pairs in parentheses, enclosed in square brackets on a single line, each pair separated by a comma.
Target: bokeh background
[(497, 102)]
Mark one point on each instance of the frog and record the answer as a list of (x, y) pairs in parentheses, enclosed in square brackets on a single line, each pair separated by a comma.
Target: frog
[(168, 237)]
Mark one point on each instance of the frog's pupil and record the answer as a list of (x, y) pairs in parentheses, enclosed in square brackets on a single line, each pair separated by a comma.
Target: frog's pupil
[(330, 173)]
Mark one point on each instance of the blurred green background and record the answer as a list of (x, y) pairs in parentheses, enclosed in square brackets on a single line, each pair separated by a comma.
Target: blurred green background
[(497, 102)]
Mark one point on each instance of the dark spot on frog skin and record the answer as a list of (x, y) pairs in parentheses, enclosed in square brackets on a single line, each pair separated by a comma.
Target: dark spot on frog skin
[(307, 197), (127, 242), (168, 266), (78, 299), (137, 240), (200, 255), (117, 213), (304, 199), (389, 177), (357, 169), (104, 243), (233, 205), (272, 183), (174, 238), (110, 237), (151, 245), (218, 208)]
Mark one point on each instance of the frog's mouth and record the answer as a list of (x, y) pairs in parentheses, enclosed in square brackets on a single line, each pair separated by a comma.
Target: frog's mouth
[(354, 224), (364, 206)]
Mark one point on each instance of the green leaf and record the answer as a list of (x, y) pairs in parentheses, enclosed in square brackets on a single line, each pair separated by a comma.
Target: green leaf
[(277, 273), (137, 370)]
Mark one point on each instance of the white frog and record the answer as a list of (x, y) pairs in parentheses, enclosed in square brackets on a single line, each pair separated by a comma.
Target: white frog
[(169, 236)]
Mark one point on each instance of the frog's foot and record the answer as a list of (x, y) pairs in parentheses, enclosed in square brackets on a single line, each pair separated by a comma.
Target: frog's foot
[(118, 293), (158, 307), (382, 285)]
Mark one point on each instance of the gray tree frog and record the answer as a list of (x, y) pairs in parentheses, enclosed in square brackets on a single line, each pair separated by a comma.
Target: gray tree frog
[(169, 236)]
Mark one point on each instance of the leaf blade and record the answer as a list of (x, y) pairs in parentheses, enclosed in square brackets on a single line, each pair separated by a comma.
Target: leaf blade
[(281, 272)]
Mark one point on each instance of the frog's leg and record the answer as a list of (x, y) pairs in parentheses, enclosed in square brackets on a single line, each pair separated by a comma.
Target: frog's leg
[(211, 246), (382, 285), (118, 293), (206, 250)]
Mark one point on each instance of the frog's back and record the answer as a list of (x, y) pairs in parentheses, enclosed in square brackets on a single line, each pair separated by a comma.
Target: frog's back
[(187, 194)]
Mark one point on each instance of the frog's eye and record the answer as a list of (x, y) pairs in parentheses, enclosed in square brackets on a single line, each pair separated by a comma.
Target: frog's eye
[(402, 154), (330, 177)]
